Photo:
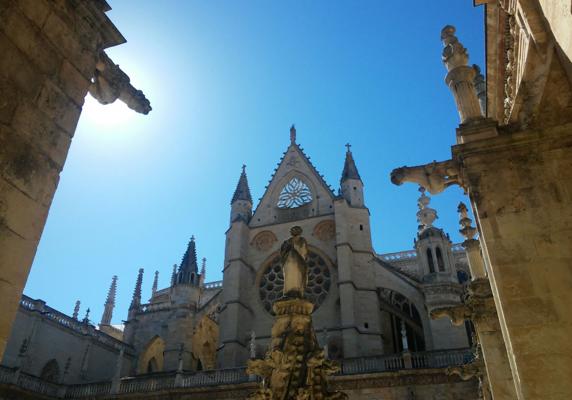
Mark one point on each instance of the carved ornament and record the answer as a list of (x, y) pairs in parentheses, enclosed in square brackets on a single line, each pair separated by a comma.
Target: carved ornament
[(263, 241), (325, 230)]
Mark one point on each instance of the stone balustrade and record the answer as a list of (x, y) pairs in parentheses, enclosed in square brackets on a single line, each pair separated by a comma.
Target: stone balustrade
[(213, 285), (412, 254), (82, 327), (438, 359)]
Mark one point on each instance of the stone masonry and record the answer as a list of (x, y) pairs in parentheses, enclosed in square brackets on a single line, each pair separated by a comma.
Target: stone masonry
[(52, 54)]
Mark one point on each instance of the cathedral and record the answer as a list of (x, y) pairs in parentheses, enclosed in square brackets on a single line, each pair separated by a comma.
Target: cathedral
[(484, 319), (367, 306)]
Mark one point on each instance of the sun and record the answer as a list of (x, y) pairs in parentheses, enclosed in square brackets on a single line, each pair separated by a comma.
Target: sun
[(115, 114)]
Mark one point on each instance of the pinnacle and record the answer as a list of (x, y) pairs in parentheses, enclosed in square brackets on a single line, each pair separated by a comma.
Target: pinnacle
[(350, 170), (242, 191)]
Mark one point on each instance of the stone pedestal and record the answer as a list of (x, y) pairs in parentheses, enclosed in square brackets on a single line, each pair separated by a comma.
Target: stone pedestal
[(295, 366)]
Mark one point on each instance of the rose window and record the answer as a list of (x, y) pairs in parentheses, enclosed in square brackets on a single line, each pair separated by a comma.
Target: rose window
[(294, 194), (319, 281)]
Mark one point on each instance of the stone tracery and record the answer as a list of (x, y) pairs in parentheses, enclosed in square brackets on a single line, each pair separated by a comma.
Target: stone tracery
[(272, 281)]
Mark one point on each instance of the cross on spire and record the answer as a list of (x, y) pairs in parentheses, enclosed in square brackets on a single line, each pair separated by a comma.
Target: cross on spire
[(348, 146)]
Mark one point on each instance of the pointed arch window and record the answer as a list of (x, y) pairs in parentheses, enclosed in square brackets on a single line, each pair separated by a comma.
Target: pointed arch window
[(430, 261), (294, 194), (440, 261), (51, 371)]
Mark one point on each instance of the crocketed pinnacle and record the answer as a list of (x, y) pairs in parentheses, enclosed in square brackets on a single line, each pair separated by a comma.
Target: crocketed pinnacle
[(109, 302), (188, 267), (242, 191), (155, 283), (350, 170), (136, 301)]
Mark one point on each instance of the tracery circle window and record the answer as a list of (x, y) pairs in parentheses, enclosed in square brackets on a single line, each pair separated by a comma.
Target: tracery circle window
[(294, 194), (272, 281)]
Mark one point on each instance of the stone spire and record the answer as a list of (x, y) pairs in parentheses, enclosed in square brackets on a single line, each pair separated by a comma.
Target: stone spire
[(155, 283), (109, 303), (136, 301), (174, 275), (188, 268), (293, 134), (350, 170), (76, 309), (460, 75), (426, 215), (242, 191)]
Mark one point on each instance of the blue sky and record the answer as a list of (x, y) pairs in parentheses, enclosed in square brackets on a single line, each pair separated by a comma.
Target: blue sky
[(226, 79)]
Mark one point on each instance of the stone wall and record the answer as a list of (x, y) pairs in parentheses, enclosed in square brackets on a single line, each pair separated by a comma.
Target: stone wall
[(42, 335), (50, 51)]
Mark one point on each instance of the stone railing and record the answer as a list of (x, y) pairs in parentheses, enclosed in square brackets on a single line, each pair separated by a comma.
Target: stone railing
[(441, 358), (172, 380), (213, 285), (351, 366), (399, 256), (426, 359), (82, 327), (412, 254), (87, 390), (29, 382)]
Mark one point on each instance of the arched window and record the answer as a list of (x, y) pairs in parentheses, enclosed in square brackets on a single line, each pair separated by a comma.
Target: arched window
[(51, 372), (152, 365), (401, 313), (440, 261), (430, 261), (151, 359)]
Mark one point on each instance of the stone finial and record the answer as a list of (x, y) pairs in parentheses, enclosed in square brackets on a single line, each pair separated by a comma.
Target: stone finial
[(454, 53), (426, 215), (252, 345), (136, 300), (76, 309), (86, 318), (292, 134), (460, 76), (109, 302), (203, 272), (155, 283), (466, 230)]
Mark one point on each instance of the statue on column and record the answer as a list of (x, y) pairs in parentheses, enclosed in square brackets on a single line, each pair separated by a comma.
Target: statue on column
[(295, 367), (293, 254)]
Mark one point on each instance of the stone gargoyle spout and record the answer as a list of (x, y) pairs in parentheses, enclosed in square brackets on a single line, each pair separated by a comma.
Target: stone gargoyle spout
[(457, 314), (435, 176)]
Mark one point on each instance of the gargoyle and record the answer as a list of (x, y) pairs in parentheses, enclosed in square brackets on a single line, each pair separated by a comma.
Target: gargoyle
[(457, 314), (111, 83), (435, 177)]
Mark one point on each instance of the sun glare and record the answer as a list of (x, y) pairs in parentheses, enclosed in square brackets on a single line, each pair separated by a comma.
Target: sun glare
[(99, 115)]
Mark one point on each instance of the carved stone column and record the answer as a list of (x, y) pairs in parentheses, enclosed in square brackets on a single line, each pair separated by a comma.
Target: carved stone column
[(460, 76)]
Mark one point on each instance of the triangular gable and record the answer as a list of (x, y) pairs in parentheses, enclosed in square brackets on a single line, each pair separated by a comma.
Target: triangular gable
[(294, 164)]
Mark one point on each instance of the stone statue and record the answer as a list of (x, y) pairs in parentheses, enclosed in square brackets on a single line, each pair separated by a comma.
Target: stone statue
[(294, 253), (294, 367)]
